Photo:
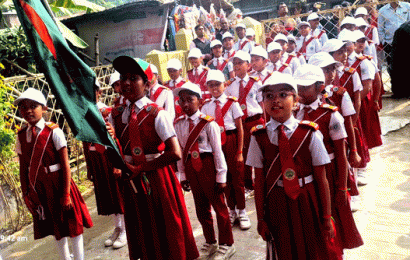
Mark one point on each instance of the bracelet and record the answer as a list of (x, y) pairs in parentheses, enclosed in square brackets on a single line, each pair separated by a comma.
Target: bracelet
[(353, 150)]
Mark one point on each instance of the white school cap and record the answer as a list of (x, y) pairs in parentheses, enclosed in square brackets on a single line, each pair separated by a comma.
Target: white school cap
[(312, 16), (348, 20), (346, 36), (250, 32), (227, 35), (174, 64), (240, 25), (194, 53), (280, 78), (114, 77), (215, 75), (323, 59), (154, 69), (215, 43), (188, 86), (359, 35), (259, 51), (361, 10), (291, 38), (308, 74), (303, 23), (361, 22), (242, 55), (32, 94), (332, 45), (274, 46), (280, 36)]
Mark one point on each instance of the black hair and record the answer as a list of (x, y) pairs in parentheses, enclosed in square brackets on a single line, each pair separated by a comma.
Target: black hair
[(199, 25), (286, 87), (190, 92), (319, 84), (281, 3)]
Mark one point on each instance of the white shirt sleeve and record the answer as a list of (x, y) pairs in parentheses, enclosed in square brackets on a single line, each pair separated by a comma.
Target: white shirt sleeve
[(255, 157), (367, 69), (214, 135), (169, 104), (357, 84), (317, 150), (164, 126), (337, 129), (347, 105), (192, 45), (59, 140)]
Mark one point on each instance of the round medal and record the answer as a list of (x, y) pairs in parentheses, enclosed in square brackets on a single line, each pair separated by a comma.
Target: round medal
[(243, 106), (120, 108), (222, 129), (149, 108), (137, 151), (259, 126), (289, 174), (195, 155), (335, 89)]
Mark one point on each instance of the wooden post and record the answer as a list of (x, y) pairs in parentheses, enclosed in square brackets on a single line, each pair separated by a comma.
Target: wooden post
[(97, 50)]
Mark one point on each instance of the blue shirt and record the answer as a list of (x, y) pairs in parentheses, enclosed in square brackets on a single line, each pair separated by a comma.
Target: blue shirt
[(389, 20)]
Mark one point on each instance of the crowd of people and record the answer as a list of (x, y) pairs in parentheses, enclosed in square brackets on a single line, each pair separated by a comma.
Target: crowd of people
[(292, 123)]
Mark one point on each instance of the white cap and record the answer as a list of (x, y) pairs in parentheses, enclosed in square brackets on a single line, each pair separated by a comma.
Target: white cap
[(361, 10), (308, 74), (188, 86), (154, 69), (250, 32), (348, 20), (323, 59), (280, 36), (303, 23), (291, 38), (193, 53), (346, 35), (240, 25), (31, 94), (174, 64), (280, 78), (215, 43), (259, 51), (312, 16), (332, 45), (274, 46), (114, 77), (359, 35), (227, 35), (215, 75), (361, 22), (243, 56)]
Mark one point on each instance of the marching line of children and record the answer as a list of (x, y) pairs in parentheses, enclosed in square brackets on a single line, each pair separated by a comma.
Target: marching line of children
[(247, 111)]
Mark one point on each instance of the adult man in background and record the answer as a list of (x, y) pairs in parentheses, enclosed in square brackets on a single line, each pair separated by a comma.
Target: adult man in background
[(400, 57), (391, 17), (225, 27)]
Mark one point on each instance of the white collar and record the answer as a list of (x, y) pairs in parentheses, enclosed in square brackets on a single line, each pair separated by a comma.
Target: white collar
[(245, 79), (222, 98), (291, 123), (40, 124), (195, 116), (140, 103)]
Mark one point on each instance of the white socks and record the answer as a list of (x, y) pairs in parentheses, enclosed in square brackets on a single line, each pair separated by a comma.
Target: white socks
[(242, 212), (78, 248), (119, 221)]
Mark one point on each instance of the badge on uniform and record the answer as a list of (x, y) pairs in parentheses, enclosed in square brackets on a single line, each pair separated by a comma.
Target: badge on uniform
[(195, 155), (243, 106), (289, 174), (149, 108), (120, 108), (222, 129), (137, 151)]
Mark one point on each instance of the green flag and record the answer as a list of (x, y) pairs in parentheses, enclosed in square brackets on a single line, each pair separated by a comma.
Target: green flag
[(70, 79)]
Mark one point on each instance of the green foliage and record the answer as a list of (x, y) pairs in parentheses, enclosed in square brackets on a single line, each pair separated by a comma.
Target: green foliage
[(6, 134), (15, 47)]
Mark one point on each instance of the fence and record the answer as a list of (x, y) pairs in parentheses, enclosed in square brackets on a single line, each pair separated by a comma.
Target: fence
[(18, 84), (330, 22)]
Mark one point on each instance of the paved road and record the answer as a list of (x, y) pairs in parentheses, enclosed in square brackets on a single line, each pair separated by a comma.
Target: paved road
[(383, 219)]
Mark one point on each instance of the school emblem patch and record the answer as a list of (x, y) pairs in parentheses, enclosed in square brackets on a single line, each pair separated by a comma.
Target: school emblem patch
[(195, 155), (149, 108), (243, 106), (259, 127), (120, 108), (137, 151), (335, 89), (289, 174), (221, 128)]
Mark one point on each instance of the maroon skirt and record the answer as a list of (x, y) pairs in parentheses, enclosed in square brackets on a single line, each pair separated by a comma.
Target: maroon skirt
[(295, 226), (57, 222), (369, 118), (347, 234), (156, 218)]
